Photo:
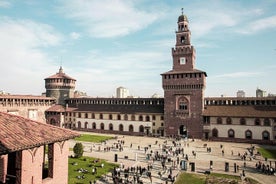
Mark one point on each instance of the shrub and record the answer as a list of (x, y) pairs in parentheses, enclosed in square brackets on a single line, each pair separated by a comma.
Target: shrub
[(78, 150)]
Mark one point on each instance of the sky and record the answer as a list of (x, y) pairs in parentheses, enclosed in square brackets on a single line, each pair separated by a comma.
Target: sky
[(105, 44)]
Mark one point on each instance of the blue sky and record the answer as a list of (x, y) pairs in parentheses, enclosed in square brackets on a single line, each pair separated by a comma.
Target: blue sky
[(110, 43)]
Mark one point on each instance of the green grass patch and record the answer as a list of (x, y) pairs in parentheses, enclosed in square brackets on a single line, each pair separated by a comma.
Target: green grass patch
[(93, 138), (267, 153), (225, 176), (188, 178), (74, 164)]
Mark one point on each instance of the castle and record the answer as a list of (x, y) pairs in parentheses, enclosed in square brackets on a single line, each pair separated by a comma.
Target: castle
[(183, 112)]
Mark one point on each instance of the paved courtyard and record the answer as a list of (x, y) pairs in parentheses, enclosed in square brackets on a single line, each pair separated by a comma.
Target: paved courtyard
[(133, 151)]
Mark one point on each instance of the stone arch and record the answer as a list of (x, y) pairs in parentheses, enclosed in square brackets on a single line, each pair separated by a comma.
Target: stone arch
[(102, 126), (215, 132), (121, 128), (79, 124), (141, 128), (110, 126), (266, 135), (231, 133), (86, 125), (130, 128), (94, 126), (248, 134)]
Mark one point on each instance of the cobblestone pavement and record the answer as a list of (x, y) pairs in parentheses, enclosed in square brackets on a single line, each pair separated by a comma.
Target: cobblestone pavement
[(134, 154)]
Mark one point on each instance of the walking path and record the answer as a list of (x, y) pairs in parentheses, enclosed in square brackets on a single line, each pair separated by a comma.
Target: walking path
[(136, 150)]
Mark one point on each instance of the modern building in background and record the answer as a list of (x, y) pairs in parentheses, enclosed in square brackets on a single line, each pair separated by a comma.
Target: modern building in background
[(122, 92), (260, 93), (240, 93)]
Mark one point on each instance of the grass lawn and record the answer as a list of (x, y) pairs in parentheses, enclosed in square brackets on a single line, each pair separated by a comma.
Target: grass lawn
[(267, 153), (188, 178), (93, 138), (87, 163)]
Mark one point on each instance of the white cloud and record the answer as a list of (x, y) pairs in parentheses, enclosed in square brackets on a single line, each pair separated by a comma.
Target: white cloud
[(75, 35), (5, 3), (107, 18), (23, 61), (259, 25), (237, 75)]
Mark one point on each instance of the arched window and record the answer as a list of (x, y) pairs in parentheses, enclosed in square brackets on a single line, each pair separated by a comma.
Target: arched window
[(110, 116), (183, 104), (132, 117), (214, 132), (140, 118), (266, 122), (79, 124), (130, 128), (93, 116), (153, 117), (141, 128), (102, 126), (110, 126), (118, 117), (147, 118), (125, 117), (86, 115), (231, 133), (248, 134), (85, 125), (101, 116), (121, 128), (257, 121), (162, 117), (242, 121), (94, 125), (228, 120), (219, 120), (265, 135)]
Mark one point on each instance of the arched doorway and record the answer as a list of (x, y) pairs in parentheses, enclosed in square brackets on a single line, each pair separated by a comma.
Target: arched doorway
[(183, 131)]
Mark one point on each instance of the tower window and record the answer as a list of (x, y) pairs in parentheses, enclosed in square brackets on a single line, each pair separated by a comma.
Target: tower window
[(183, 104), (182, 39)]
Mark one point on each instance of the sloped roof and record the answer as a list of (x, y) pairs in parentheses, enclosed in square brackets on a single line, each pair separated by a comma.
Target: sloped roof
[(26, 97), (60, 75), (184, 72), (19, 133), (240, 111)]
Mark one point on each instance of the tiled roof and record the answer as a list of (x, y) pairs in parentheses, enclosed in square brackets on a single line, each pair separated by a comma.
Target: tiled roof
[(184, 72), (240, 111), (26, 97), (18, 133), (56, 108), (119, 108)]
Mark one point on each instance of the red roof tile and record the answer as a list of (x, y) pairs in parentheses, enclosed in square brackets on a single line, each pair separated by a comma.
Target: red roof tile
[(240, 111), (18, 133)]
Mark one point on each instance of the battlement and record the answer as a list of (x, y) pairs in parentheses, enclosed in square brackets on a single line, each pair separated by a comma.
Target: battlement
[(181, 50)]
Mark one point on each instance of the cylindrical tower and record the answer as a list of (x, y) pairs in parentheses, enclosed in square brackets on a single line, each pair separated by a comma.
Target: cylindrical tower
[(60, 86)]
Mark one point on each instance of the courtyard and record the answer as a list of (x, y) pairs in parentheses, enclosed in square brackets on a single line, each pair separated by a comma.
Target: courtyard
[(184, 155)]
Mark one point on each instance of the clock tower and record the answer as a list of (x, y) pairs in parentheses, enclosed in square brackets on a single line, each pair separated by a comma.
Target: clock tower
[(183, 88)]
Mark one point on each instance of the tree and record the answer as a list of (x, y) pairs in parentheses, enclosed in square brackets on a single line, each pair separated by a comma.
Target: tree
[(78, 150)]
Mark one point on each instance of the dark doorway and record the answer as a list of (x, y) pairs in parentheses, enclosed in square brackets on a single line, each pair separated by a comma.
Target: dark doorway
[(11, 170), (206, 135), (183, 131)]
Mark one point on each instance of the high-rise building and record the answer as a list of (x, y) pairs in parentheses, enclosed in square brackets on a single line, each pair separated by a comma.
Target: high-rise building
[(122, 92), (240, 93), (183, 87)]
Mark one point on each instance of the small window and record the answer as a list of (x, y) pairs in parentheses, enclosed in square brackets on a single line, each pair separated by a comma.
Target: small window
[(242, 121), (219, 120), (257, 122), (266, 122), (228, 120)]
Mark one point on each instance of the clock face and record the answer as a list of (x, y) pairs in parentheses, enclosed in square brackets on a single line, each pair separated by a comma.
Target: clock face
[(182, 60)]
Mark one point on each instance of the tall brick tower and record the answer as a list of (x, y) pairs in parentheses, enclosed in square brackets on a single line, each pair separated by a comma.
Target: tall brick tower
[(183, 88), (60, 86)]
